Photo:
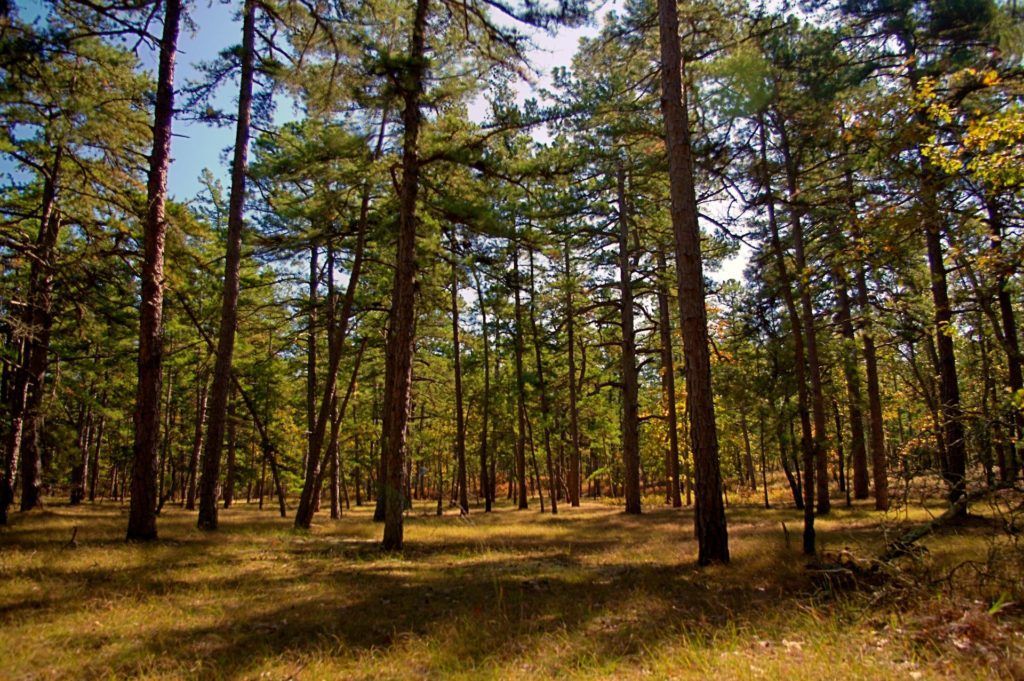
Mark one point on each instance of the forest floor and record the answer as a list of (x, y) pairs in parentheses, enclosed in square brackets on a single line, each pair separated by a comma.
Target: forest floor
[(588, 593)]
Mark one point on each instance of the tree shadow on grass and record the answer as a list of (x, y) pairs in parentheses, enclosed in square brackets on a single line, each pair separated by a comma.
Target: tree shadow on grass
[(485, 593)]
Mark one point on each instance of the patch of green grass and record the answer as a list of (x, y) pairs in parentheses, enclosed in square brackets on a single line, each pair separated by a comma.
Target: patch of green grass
[(511, 594)]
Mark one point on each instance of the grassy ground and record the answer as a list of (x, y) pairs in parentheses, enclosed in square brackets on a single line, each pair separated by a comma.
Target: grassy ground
[(589, 593)]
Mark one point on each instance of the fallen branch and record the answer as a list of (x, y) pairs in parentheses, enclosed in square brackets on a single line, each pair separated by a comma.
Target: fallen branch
[(905, 542)]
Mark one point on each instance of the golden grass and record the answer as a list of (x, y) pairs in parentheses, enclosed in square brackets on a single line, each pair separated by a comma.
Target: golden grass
[(590, 593)]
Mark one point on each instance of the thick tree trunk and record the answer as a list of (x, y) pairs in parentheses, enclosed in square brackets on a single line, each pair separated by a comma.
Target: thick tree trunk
[(709, 516), (221, 389), (668, 380), (402, 319), (142, 514)]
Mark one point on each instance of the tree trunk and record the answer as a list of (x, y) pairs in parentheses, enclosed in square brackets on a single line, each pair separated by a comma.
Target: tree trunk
[(142, 513), (221, 389), (876, 426), (26, 427), (520, 386), (197, 447), (810, 331), (630, 377), (574, 428), (807, 440), (858, 451), (94, 467), (955, 466), (709, 516), (1010, 341), (229, 473), (545, 405), (668, 380), (485, 487), (402, 319), (460, 419)]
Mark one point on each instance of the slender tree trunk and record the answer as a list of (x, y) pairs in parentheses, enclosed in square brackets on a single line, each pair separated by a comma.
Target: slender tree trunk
[(24, 443), (807, 441), (630, 377), (1009, 338), (747, 474), (229, 473), (460, 418), (197, 446), (574, 428), (221, 389), (520, 386), (402, 319), (858, 451), (764, 458), (485, 487), (876, 426), (142, 513), (954, 469), (545, 405), (12, 445), (709, 516), (94, 468), (810, 331), (80, 471), (668, 380)]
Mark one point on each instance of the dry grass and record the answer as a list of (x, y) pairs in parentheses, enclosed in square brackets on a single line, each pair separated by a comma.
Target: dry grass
[(589, 593)]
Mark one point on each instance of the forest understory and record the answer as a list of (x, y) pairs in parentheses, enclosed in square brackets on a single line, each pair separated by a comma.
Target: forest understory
[(588, 593)]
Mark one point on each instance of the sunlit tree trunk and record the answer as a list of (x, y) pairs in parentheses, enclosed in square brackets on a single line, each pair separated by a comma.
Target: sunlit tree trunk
[(142, 513), (221, 388)]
